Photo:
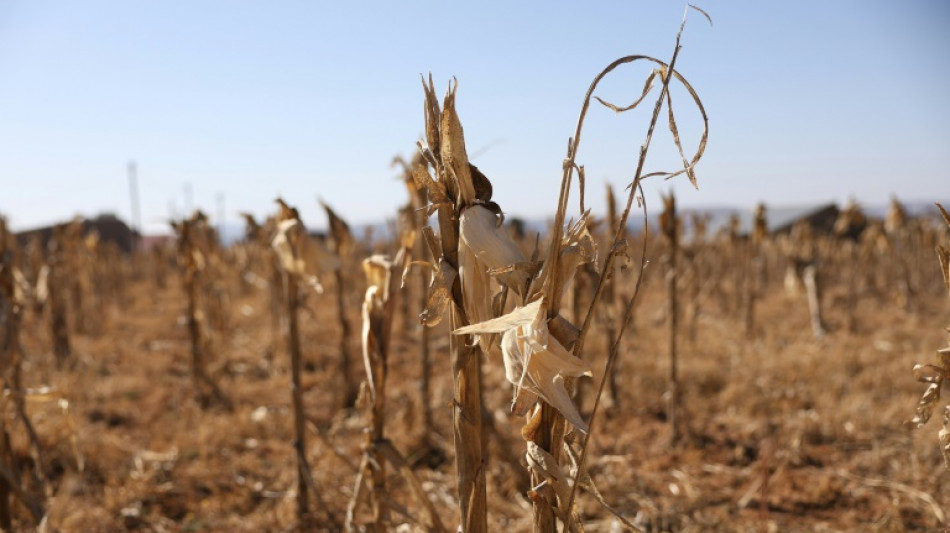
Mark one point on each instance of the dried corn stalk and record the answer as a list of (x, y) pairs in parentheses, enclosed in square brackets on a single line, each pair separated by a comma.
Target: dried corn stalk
[(415, 220), (848, 227), (12, 303), (55, 286), (896, 224), (753, 266), (341, 244), (377, 325), (378, 307), (609, 297), (670, 228), (535, 341), (263, 266), (936, 375), (666, 73), (470, 250), (193, 243), (291, 245), (700, 280), (535, 345)]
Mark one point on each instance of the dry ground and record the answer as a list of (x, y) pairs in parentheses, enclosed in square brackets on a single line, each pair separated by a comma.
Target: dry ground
[(785, 433)]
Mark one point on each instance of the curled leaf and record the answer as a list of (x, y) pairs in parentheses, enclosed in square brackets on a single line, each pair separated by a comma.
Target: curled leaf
[(943, 257), (546, 467), (929, 373), (926, 405), (647, 87), (944, 214), (440, 294)]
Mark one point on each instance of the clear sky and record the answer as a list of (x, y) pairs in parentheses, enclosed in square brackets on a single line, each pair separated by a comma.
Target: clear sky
[(808, 101)]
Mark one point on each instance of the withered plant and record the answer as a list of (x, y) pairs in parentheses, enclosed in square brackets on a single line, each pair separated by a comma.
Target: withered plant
[(341, 244), (378, 310), (292, 246), (55, 291), (700, 278), (459, 286), (848, 228), (565, 481), (91, 278), (754, 267), (539, 347), (75, 263), (299, 260), (802, 252), (670, 229), (193, 243), (414, 218), (936, 374), (12, 304), (896, 225), (159, 266), (262, 266), (609, 297)]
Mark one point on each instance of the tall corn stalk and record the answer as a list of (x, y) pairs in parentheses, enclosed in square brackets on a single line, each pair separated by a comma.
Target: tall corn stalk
[(71, 242), (91, 279), (540, 347), (753, 264), (10, 312), (802, 251), (610, 298), (192, 259), (698, 273), (665, 72), (12, 303), (416, 219), (159, 265), (55, 288), (936, 375), (341, 244), (896, 226), (377, 327), (669, 226), (258, 239), (378, 310), (290, 243), (451, 193), (848, 228)]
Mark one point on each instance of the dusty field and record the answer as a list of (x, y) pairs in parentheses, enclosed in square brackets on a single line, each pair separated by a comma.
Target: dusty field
[(785, 433)]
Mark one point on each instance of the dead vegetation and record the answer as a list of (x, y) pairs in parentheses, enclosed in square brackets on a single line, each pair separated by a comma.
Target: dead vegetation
[(759, 387), (779, 431)]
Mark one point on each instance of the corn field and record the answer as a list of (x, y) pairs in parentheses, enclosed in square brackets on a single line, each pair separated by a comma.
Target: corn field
[(464, 374)]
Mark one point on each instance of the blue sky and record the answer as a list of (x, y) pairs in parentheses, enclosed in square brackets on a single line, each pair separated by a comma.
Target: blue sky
[(808, 101)]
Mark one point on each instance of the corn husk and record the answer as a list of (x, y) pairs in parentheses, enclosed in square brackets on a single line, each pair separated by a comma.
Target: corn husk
[(377, 269), (536, 363), (485, 247), (302, 256)]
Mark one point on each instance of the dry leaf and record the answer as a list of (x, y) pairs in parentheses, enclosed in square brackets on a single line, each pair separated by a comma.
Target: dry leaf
[(452, 149), (534, 360)]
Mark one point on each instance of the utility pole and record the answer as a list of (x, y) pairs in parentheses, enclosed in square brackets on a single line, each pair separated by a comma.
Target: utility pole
[(173, 210), (189, 206), (136, 221), (221, 215)]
